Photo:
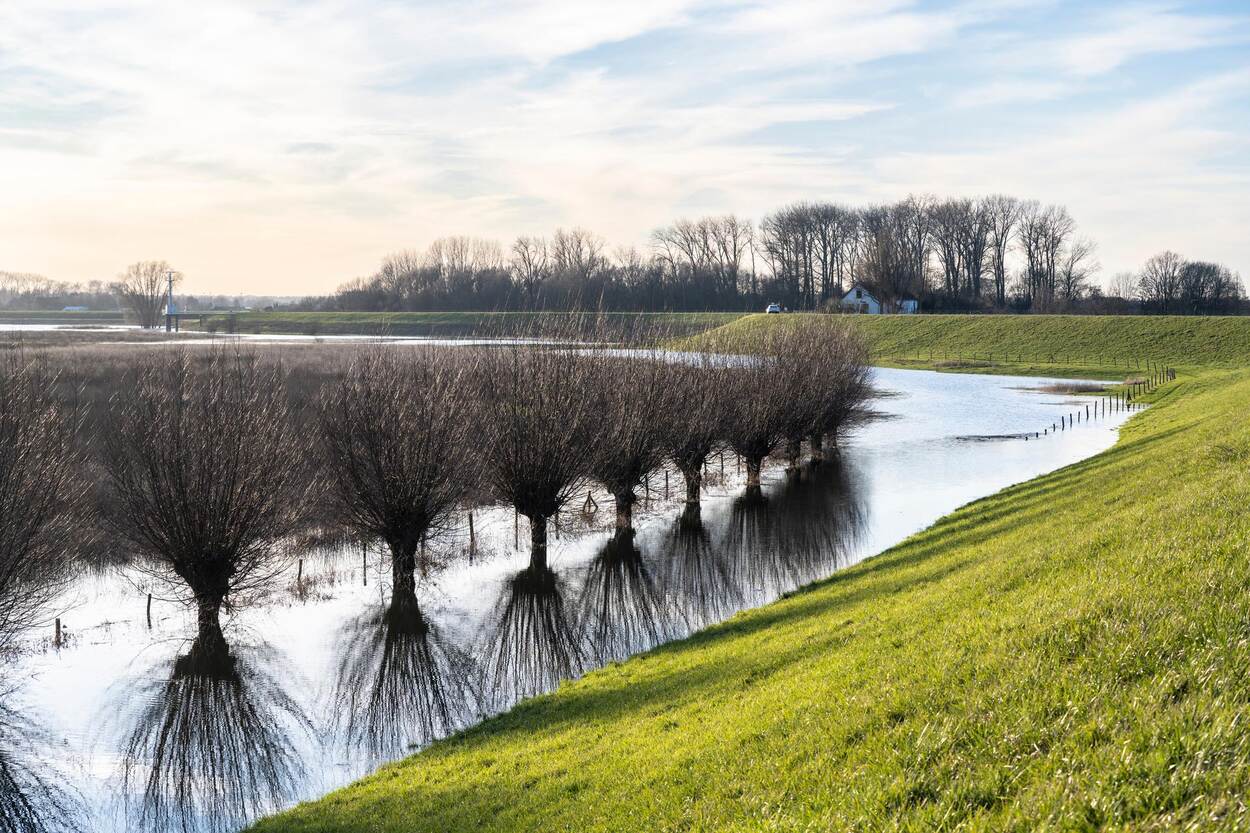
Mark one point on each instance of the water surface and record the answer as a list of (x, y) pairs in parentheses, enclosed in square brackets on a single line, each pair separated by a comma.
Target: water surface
[(132, 726)]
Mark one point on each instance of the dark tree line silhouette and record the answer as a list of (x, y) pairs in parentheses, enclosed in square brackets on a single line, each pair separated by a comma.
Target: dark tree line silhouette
[(992, 253)]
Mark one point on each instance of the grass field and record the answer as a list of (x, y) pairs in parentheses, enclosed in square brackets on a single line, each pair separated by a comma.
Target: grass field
[(1072, 653), (87, 318), (448, 324), (1114, 343)]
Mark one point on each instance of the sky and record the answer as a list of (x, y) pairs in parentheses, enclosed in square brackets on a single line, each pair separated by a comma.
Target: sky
[(286, 146)]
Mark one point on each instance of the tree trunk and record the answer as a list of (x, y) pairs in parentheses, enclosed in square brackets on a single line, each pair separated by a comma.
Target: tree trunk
[(794, 454), (625, 509), (694, 482), (403, 571), (818, 447), (538, 543), (753, 472)]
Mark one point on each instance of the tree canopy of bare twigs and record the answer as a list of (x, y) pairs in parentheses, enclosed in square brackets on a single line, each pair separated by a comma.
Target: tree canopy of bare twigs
[(631, 397), (208, 474), (142, 289), (41, 493), (395, 440), (759, 409), (538, 428), (695, 423)]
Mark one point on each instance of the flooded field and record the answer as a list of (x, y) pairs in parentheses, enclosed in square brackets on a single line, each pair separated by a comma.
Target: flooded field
[(128, 724)]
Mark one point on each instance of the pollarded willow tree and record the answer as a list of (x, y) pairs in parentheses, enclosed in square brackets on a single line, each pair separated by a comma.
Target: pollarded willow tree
[(843, 397), (208, 475), (822, 366), (41, 494), (537, 431), (395, 440), (632, 398), (759, 408), (695, 423)]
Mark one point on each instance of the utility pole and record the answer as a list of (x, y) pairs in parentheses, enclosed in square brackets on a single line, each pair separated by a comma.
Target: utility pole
[(171, 314)]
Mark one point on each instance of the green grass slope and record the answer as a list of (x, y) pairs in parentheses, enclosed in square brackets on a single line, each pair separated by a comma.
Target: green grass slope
[(1072, 653), (447, 324), (1110, 340)]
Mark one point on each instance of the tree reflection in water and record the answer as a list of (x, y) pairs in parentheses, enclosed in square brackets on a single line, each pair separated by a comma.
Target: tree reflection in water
[(696, 575), (622, 608), (800, 531), (215, 744), (32, 800), (532, 641), (401, 684)]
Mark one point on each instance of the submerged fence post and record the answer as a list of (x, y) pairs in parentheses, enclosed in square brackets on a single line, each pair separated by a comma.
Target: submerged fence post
[(364, 564), (56, 635), (149, 611)]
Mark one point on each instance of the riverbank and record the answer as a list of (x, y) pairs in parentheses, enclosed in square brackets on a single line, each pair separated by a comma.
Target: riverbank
[(1069, 653)]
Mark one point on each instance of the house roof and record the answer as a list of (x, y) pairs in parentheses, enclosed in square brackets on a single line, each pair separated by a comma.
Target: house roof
[(860, 286)]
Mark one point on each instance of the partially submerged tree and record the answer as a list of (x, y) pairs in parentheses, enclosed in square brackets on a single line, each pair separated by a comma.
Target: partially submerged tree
[(395, 443), (843, 386), (695, 422), (208, 476), (631, 398), (759, 410), (41, 493), (537, 429), (142, 289)]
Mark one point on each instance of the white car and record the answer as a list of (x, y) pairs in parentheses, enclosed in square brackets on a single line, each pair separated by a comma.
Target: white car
[(773, 308)]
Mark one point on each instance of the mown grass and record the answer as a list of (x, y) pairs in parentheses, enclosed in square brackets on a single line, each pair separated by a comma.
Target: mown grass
[(448, 324), (1020, 343), (1072, 653)]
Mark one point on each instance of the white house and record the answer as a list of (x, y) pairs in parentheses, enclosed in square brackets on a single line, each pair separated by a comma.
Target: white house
[(859, 299)]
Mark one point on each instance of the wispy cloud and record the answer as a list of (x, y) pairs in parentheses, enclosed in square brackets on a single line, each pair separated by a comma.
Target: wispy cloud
[(290, 144)]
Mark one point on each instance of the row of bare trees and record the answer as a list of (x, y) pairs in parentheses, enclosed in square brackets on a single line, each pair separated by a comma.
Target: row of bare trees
[(1171, 284), (992, 252), (210, 470)]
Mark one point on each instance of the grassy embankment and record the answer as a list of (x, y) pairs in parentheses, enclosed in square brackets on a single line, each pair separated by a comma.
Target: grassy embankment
[(1103, 346), (1072, 653), (444, 324), (90, 318)]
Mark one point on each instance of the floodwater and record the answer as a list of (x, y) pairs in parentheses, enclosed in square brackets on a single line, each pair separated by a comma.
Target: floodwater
[(124, 727)]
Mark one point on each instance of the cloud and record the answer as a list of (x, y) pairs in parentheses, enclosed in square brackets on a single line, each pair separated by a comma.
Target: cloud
[(290, 144)]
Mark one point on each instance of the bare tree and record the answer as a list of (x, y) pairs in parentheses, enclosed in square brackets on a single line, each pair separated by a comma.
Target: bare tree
[(1003, 217), (695, 426), (530, 265), (1160, 281), (208, 476), (395, 442), (631, 397), (1124, 285), (1077, 265), (40, 494), (537, 432), (142, 289), (759, 410)]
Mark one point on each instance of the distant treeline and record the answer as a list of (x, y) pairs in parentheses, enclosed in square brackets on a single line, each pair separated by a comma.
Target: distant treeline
[(995, 253), (29, 292)]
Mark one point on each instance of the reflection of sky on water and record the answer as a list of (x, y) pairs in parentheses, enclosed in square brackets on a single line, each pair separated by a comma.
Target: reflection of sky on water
[(340, 676)]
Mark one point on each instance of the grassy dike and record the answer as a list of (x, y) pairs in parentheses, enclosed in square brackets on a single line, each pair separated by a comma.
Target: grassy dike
[(1072, 653), (443, 324)]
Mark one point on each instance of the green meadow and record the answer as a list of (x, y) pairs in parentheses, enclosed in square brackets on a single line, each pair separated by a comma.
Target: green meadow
[(1072, 653)]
